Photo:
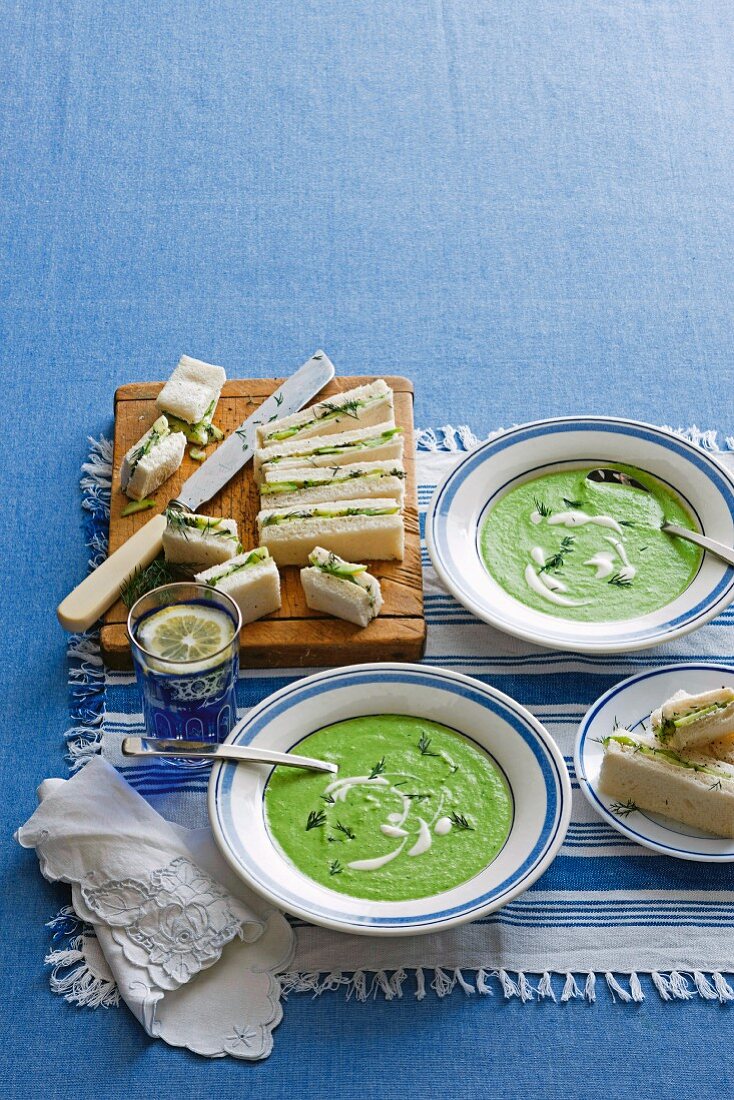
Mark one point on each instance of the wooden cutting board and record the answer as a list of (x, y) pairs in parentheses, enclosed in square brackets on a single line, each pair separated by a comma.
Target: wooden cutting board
[(295, 636)]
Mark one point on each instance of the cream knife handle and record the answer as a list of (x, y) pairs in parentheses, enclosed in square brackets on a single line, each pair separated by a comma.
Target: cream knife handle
[(93, 596)]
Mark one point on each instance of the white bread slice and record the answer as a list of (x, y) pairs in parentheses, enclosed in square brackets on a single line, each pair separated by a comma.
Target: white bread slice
[(354, 596), (192, 539), (380, 443), (369, 529), (251, 579), (152, 460), (306, 485), (192, 390), (360, 407), (690, 721), (700, 795)]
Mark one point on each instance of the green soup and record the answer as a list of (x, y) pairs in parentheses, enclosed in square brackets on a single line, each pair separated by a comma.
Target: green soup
[(414, 810), (591, 551)]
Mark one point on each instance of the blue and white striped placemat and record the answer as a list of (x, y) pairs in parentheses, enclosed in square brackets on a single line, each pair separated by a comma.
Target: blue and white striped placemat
[(606, 909)]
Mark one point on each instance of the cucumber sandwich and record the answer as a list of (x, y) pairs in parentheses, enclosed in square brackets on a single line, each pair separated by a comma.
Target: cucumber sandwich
[(311, 485), (366, 528), (191, 539), (190, 397), (363, 406), (688, 721), (696, 788), (251, 579), (378, 443), (340, 588), (152, 460)]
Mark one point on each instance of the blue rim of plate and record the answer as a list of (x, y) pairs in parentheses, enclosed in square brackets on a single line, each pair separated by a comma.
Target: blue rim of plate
[(617, 823), (447, 568), (544, 749)]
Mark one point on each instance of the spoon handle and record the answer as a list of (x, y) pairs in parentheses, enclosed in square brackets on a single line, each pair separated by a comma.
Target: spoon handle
[(204, 750), (718, 548)]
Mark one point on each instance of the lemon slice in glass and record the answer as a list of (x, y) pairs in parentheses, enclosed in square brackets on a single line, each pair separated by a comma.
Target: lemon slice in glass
[(185, 632)]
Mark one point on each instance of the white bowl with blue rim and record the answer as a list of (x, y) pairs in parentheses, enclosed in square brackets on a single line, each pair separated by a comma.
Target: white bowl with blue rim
[(533, 767), (629, 705), (461, 503)]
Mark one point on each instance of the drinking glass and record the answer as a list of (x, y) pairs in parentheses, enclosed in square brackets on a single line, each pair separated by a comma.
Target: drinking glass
[(188, 699)]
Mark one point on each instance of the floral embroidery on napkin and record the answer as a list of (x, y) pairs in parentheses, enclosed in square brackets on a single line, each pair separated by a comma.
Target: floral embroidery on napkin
[(178, 916)]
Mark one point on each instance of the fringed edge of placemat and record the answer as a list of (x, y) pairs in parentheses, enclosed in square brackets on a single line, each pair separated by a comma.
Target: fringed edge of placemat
[(82, 982), (363, 985)]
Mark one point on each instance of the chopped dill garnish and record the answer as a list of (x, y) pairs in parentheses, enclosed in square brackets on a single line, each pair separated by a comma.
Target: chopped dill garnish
[(417, 797), (626, 523), (573, 503), (329, 798), (620, 581), (460, 821), (145, 580), (542, 508), (716, 785), (424, 746), (335, 840), (377, 769), (316, 819), (345, 829), (624, 809), (335, 867), (558, 560)]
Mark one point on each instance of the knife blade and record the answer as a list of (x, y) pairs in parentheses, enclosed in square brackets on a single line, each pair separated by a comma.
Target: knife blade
[(239, 447), (90, 599)]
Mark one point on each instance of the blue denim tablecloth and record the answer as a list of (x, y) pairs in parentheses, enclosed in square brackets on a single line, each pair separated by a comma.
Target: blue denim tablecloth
[(524, 205)]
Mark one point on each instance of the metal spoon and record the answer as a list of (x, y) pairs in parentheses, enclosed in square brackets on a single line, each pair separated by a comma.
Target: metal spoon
[(205, 750), (719, 549)]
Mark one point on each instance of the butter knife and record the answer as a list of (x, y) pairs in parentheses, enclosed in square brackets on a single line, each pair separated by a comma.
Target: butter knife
[(205, 750), (90, 599)]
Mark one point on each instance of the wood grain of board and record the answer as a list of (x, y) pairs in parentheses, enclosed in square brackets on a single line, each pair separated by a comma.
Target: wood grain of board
[(295, 636)]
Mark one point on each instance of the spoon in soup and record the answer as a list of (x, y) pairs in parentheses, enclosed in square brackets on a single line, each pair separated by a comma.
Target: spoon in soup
[(618, 477)]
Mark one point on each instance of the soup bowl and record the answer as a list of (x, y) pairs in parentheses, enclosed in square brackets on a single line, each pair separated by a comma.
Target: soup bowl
[(526, 755), (463, 501)]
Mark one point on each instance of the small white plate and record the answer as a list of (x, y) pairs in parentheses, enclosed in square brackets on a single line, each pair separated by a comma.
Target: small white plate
[(460, 505), (532, 764), (629, 704)]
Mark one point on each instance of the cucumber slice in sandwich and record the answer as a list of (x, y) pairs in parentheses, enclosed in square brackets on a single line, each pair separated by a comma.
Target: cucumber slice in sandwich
[(687, 721), (251, 579), (374, 444), (693, 787), (341, 588), (369, 528), (368, 405), (190, 397), (196, 540), (152, 460)]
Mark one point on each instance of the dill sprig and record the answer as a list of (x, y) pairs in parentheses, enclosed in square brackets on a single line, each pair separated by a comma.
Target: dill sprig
[(335, 867), (542, 508), (460, 821), (624, 809), (329, 798), (620, 581), (424, 746), (558, 560), (716, 785), (572, 503), (316, 819), (145, 580), (345, 829), (350, 408), (416, 797), (626, 523), (377, 769)]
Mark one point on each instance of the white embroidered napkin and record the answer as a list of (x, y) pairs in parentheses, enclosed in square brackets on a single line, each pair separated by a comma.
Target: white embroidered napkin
[(193, 951)]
